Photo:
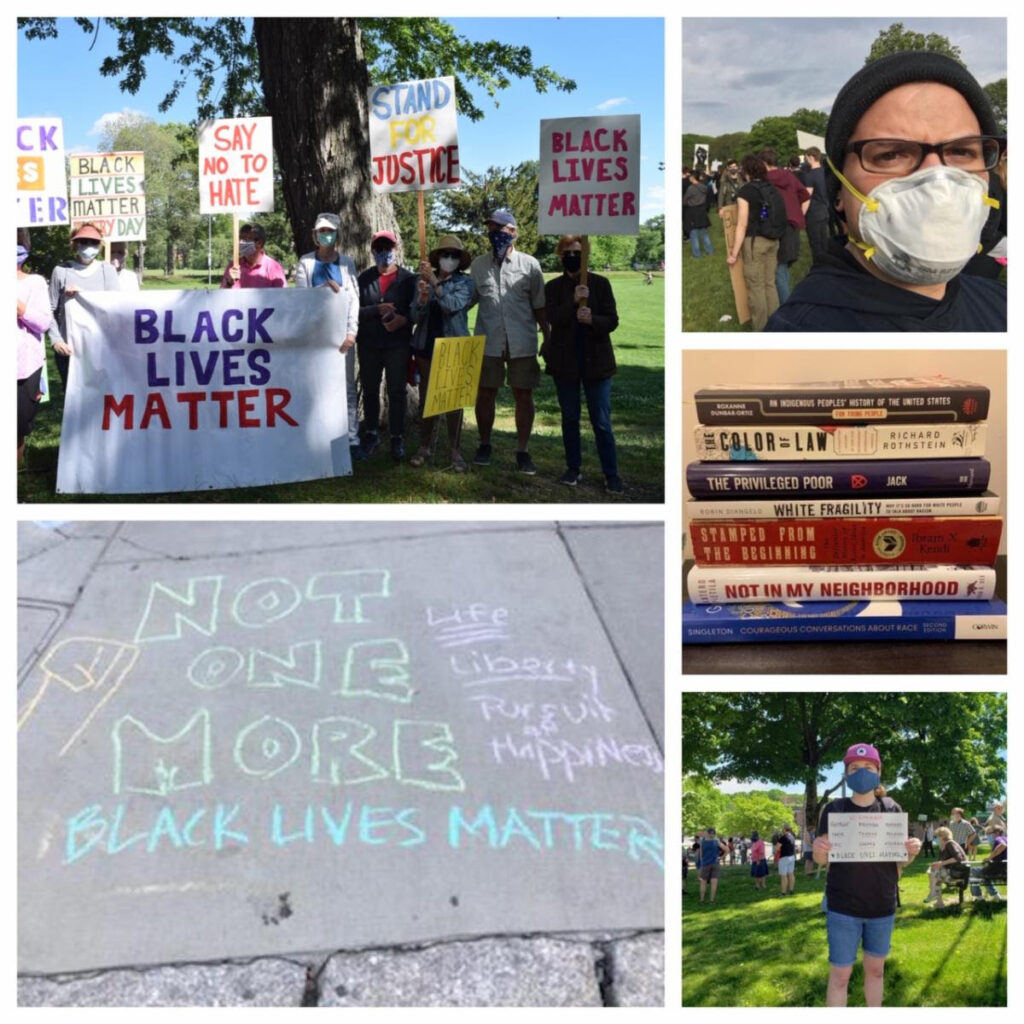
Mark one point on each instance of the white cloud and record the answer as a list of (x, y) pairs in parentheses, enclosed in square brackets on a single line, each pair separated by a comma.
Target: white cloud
[(609, 104), (102, 123)]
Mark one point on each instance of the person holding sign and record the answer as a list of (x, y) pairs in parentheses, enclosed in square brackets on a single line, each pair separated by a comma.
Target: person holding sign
[(256, 269), (325, 267), (440, 310), (860, 895), (385, 294), (510, 286), (579, 352)]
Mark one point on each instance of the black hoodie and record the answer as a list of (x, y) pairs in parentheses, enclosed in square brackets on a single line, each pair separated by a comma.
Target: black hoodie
[(840, 295)]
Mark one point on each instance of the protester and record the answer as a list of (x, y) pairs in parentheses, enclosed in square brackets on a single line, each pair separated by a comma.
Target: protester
[(126, 279), (578, 354), (786, 849), (510, 288), (711, 850), (796, 198), (910, 144), (807, 850), (34, 317), (325, 267), (386, 292), (695, 210), (440, 309), (84, 273), (939, 872), (758, 861), (759, 252), (963, 830), (256, 269), (860, 896), (929, 841), (993, 866), (817, 215), (996, 821), (972, 840)]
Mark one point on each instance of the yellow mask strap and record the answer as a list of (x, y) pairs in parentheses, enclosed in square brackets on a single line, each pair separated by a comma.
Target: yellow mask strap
[(871, 204)]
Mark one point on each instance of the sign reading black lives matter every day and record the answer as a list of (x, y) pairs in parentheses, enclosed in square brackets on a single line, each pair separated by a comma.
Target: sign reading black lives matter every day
[(330, 748)]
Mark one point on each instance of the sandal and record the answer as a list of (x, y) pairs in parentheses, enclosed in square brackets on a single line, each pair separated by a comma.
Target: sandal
[(420, 457), (458, 462)]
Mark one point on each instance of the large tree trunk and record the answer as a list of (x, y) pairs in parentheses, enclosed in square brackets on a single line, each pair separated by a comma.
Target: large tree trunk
[(315, 83)]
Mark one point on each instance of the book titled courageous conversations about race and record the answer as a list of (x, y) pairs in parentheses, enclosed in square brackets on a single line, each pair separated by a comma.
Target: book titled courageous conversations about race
[(863, 441), (987, 504), (713, 584), (914, 399), (844, 620), (853, 479)]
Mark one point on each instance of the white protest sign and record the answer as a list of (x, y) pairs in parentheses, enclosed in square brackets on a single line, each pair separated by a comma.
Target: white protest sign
[(414, 135), (42, 191), (109, 190), (183, 391), (867, 837), (236, 165), (589, 175)]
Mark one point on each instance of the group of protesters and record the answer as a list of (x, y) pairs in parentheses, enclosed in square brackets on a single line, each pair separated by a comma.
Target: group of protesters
[(391, 318)]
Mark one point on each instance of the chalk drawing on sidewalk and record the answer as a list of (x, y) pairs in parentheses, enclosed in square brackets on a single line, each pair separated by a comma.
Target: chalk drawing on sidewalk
[(145, 762)]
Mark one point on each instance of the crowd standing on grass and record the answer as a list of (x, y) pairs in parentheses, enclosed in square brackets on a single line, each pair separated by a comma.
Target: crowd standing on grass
[(392, 317)]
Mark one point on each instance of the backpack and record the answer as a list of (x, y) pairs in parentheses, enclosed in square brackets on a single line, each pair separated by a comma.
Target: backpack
[(770, 218)]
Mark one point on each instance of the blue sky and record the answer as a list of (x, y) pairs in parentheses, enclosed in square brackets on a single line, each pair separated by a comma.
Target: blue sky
[(618, 65)]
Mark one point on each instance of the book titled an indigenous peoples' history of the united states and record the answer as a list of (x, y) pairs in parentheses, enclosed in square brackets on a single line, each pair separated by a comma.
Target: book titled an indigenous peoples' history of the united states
[(844, 620), (913, 399), (793, 441)]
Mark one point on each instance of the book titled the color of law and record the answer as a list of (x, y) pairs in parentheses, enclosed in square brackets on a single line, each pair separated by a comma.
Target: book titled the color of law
[(913, 399), (844, 620), (882, 541), (864, 441), (987, 504), (712, 584)]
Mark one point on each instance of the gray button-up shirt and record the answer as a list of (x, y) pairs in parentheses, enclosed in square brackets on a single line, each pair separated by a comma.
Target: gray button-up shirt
[(508, 292)]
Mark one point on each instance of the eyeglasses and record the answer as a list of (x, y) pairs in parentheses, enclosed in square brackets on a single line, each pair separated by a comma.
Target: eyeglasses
[(974, 153)]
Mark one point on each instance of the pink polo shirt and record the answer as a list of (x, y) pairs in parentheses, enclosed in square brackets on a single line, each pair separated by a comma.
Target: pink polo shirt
[(267, 273)]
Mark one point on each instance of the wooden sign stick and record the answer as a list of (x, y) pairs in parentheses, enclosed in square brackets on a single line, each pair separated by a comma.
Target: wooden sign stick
[(584, 261), (420, 210), (234, 235)]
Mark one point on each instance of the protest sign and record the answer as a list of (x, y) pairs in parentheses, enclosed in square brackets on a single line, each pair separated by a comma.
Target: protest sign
[(181, 391), (42, 180), (867, 837), (414, 137), (236, 165), (109, 190), (454, 374), (589, 175)]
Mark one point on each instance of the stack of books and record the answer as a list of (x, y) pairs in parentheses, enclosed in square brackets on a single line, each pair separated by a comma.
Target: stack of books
[(846, 510)]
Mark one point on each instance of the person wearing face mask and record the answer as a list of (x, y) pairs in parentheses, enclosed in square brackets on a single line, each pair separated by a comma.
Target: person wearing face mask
[(34, 317), (860, 896), (444, 293), (256, 269), (325, 267), (510, 287), (84, 273), (909, 149), (386, 292), (579, 354), (126, 279)]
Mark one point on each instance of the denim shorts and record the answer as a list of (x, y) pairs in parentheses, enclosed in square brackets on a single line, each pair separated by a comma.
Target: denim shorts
[(845, 934)]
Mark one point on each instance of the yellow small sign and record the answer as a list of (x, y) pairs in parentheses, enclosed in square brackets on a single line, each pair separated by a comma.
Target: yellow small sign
[(454, 374)]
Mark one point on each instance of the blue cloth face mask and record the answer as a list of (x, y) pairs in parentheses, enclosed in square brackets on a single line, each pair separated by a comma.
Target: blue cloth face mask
[(326, 238), (863, 780), (87, 253), (501, 242), (384, 258)]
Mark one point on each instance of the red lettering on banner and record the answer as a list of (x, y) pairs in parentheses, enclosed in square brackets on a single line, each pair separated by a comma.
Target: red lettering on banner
[(435, 166), (155, 407), (126, 408), (235, 408), (594, 204)]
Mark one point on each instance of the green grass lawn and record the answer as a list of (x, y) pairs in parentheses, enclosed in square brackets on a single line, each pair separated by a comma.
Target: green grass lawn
[(707, 289), (638, 406), (760, 949)]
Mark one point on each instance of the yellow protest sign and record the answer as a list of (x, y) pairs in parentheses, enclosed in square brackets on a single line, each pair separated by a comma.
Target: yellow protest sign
[(454, 374)]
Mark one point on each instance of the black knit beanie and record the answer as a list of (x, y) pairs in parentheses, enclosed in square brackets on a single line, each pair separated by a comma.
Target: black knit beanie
[(874, 80)]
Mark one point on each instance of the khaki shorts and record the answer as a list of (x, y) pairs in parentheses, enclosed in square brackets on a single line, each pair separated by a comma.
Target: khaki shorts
[(522, 373), (709, 871)]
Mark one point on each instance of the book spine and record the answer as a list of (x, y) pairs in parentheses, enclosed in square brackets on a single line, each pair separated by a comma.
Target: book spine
[(796, 625), (767, 508), (855, 479), (879, 541), (964, 403), (869, 441), (733, 585)]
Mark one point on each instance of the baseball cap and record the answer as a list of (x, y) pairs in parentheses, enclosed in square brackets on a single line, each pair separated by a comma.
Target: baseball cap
[(862, 752), (503, 218), (384, 234), (327, 220)]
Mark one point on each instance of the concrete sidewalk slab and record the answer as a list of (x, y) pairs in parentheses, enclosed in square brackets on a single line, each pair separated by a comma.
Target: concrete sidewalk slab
[(366, 744)]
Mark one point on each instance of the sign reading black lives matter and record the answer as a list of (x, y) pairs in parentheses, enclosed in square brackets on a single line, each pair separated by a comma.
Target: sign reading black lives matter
[(330, 748)]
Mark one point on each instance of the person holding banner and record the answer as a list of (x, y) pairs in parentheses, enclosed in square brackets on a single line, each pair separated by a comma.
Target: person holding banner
[(325, 267), (579, 353), (34, 317), (385, 294), (860, 895), (510, 286), (256, 269), (441, 310), (126, 279), (84, 273)]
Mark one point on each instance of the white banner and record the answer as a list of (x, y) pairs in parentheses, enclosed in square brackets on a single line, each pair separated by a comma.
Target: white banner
[(867, 837), (189, 390), (589, 175)]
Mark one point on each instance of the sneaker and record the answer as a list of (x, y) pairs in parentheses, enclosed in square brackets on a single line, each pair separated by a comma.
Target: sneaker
[(397, 449), (930, 898), (524, 464), (483, 455), (370, 444), (614, 485), (571, 477)]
